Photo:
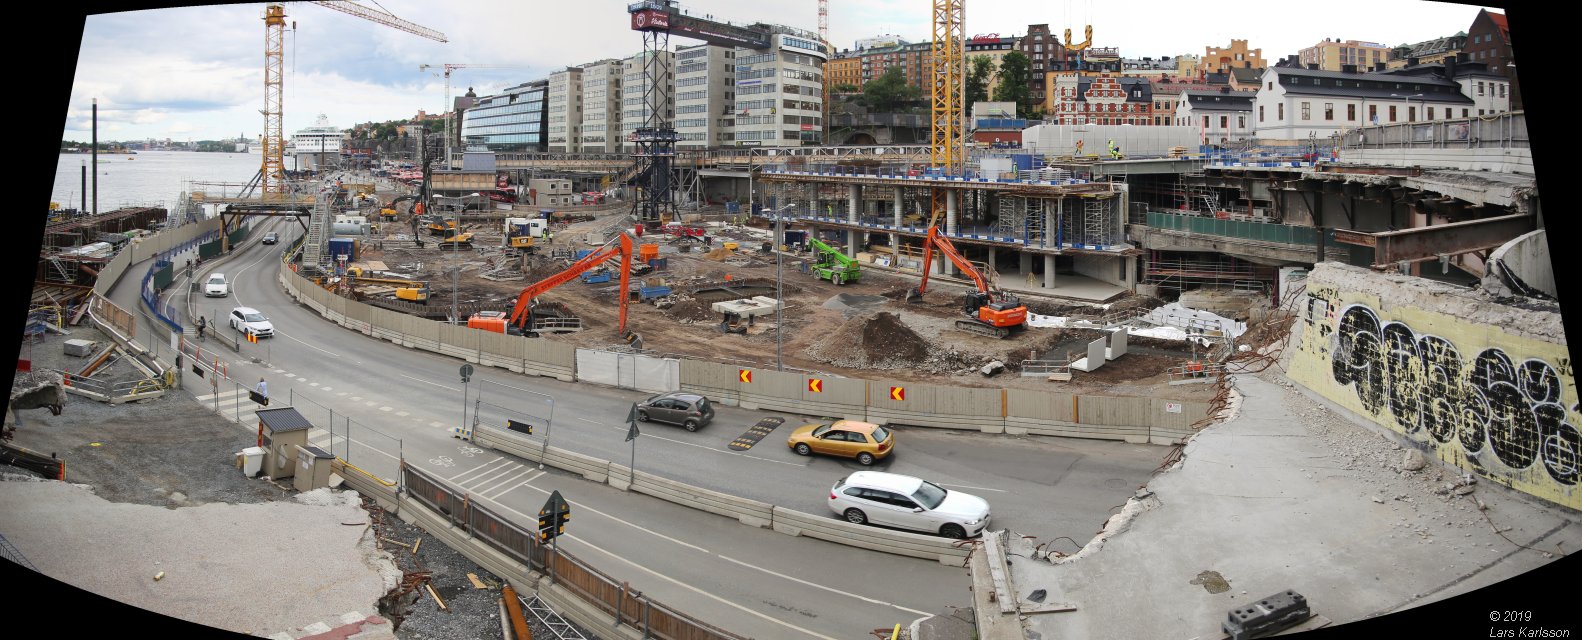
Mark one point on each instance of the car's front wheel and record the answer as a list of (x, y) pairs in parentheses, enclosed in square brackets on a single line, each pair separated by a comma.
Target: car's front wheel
[(953, 531), (865, 458), (803, 450), (856, 516)]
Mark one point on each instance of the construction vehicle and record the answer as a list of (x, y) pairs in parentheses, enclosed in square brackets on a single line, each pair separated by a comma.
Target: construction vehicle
[(832, 265), (438, 226), (519, 232), (456, 242), (991, 312), (409, 290), (521, 320)]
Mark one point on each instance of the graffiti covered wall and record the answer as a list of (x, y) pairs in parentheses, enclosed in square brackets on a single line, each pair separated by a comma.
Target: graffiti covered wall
[(1487, 387)]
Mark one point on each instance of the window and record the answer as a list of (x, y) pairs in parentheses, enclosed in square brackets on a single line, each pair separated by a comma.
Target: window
[(1463, 113), (1411, 114), (1271, 85), (1260, 113), (1480, 87), (1373, 112), (1329, 111), (1224, 122), (1307, 111), (1205, 122), (1502, 91), (1280, 112), (1351, 112), (1392, 113), (1241, 122), (1430, 113)]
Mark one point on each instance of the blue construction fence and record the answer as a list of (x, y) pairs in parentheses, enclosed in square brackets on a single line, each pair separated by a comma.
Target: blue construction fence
[(163, 272)]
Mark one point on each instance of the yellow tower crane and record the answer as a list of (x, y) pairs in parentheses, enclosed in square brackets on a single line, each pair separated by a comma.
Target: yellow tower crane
[(948, 92), (272, 177)]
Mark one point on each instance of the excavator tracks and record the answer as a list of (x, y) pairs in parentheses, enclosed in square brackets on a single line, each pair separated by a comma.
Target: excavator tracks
[(982, 329)]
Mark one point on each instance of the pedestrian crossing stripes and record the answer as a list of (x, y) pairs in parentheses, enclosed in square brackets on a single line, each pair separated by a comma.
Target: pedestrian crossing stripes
[(755, 433)]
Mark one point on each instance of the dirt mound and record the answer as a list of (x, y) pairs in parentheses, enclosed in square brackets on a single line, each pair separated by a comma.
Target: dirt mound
[(879, 341), (719, 254), (691, 309)]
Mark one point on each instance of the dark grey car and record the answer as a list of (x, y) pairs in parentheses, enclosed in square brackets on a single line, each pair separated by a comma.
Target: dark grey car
[(690, 410)]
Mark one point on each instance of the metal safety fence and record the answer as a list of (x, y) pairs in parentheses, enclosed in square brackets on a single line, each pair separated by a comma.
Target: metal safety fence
[(615, 598)]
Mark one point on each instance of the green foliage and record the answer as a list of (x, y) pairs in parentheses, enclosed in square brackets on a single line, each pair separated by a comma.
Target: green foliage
[(845, 87), (1014, 74), (978, 80), (890, 92)]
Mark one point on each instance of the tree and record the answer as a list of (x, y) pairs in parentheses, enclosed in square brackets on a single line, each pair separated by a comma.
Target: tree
[(1013, 83), (845, 88), (890, 92), (978, 81)]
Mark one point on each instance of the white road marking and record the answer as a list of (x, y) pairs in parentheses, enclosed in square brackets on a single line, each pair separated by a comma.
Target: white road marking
[(970, 487), (436, 424), (702, 592), (357, 398), (313, 384), (482, 480), (427, 382), (819, 586), (513, 488), (386, 408), (370, 403), (403, 413), (481, 466), (690, 444), (587, 508), (327, 389), (338, 394), (278, 370)]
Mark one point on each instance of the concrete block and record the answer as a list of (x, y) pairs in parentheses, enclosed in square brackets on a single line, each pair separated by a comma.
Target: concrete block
[(81, 348)]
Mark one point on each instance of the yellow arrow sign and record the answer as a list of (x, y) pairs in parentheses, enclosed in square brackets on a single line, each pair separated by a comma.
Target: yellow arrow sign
[(815, 385), (897, 393), (746, 375)]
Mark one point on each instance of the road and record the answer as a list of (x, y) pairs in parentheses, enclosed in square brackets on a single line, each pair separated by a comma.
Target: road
[(384, 402)]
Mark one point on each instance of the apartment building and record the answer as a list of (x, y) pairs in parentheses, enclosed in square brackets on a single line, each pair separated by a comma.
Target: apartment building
[(1331, 55), (1220, 116), (565, 110), (780, 91), (993, 47), (1296, 103), (705, 93), (1489, 42), (1101, 99), (601, 106), (1223, 59)]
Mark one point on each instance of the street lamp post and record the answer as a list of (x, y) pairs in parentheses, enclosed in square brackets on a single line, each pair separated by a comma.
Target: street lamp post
[(778, 243)]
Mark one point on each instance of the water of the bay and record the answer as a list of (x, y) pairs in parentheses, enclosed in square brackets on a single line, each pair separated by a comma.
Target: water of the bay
[(151, 178)]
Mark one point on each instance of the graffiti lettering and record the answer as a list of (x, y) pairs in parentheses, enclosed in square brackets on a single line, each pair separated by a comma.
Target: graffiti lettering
[(1423, 385)]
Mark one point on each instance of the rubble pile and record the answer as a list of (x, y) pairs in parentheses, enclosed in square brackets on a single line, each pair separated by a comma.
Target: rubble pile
[(878, 341)]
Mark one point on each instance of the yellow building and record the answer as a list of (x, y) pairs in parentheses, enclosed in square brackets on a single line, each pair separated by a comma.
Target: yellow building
[(1222, 60), (1430, 52), (1329, 55), (993, 47), (839, 71)]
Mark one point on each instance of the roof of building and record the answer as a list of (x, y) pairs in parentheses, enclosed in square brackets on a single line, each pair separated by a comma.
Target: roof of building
[(1128, 83), (283, 419), (1437, 45), (1246, 74), (1217, 101), (1499, 21), (1336, 83)]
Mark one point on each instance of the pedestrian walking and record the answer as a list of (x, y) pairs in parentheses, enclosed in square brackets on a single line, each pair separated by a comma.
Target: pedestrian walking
[(202, 323), (262, 388)]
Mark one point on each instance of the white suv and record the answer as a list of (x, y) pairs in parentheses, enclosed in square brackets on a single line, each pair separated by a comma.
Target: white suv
[(215, 286), (249, 320), (905, 502)]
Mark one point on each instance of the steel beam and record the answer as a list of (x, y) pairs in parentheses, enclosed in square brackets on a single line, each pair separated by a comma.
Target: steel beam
[(1426, 243)]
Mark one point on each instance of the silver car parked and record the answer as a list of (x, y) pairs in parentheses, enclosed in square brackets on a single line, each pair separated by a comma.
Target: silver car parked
[(690, 410), (905, 502)]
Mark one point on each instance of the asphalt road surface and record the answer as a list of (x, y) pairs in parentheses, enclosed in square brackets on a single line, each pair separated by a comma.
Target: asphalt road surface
[(376, 402)]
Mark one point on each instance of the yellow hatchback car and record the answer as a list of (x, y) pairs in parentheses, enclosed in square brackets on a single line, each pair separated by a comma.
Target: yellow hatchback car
[(865, 441)]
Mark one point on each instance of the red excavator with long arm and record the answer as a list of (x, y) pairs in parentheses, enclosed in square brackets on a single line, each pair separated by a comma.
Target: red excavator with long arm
[(990, 312), (521, 317)]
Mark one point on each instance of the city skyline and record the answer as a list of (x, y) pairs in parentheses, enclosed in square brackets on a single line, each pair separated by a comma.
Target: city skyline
[(208, 84)]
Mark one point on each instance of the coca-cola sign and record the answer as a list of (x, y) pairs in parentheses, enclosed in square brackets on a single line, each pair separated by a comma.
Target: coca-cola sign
[(650, 19)]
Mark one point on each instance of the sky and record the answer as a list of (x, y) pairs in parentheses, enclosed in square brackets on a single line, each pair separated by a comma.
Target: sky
[(196, 73)]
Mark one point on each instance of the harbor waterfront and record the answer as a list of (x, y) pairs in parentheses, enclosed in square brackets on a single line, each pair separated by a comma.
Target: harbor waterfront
[(147, 178)]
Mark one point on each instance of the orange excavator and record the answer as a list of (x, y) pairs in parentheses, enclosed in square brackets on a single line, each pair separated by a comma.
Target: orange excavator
[(990, 312), (520, 322)]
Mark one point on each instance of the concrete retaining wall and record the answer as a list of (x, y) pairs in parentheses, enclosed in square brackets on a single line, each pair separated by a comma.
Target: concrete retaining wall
[(796, 523), (1485, 387)]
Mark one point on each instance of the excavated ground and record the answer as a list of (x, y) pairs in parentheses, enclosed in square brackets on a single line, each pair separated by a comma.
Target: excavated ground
[(862, 329)]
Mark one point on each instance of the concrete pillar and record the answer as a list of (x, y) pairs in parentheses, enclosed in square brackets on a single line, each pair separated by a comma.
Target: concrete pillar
[(1051, 232), (1131, 274), (897, 207), (991, 261), (1049, 272), (853, 237), (950, 224), (1025, 265)]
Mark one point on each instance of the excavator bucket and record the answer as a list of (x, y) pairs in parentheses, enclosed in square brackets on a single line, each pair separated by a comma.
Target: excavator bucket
[(914, 296)]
